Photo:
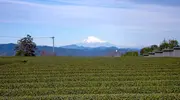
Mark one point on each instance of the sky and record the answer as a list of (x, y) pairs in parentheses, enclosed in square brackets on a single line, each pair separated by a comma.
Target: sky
[(131, 23)]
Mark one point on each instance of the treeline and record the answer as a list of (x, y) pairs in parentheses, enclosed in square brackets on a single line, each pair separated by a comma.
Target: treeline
[(165, 44), (131, 53)]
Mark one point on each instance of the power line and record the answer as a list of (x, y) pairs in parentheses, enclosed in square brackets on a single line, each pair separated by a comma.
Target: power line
[(9, 37), (21, 37), (33, 37)]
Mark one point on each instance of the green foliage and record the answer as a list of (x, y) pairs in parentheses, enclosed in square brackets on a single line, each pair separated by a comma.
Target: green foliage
[(164, 45), (131, 53), (154, 47), (173, 43), (146, 50), (19, 53), (168, 45), (82, 78), (25, 47)]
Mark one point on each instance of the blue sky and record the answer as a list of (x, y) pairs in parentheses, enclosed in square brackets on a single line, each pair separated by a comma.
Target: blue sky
[(132, 23)]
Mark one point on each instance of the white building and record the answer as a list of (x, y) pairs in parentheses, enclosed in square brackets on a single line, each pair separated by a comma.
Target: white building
[(165, 53), (158, 54), (168, 53), (176, 52), (171, 53), (151, 54)]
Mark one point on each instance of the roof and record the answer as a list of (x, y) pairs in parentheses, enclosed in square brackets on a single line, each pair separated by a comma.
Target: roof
[(176, 48), (168, 50), (159, 52), (151, 53), (145, 55)]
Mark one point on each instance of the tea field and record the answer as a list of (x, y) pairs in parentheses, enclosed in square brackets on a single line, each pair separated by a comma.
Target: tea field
[(85, 78)]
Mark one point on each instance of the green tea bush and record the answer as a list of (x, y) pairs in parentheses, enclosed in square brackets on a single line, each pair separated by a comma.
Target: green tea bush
[(80, 78)]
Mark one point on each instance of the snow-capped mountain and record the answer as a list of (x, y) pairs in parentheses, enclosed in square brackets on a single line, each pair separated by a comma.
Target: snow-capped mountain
[(94, 42)]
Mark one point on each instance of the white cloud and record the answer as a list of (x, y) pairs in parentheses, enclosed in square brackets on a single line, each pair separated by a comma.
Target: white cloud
[(93, 39), (140, 15), (102, 3), (115, 20)]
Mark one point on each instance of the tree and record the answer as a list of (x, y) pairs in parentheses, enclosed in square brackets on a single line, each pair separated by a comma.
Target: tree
[(169, 45), (154, 47), (164, 45), (142, 51), (131, 53), (145, 50), (25, 47), (173, 43)]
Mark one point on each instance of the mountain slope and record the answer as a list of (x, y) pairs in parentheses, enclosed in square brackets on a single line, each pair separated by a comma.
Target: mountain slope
[(8, 50), (73, 46), (95, 45)]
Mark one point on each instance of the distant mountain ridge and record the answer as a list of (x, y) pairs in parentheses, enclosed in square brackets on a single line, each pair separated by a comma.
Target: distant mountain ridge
[(69, 50), (74, 46)]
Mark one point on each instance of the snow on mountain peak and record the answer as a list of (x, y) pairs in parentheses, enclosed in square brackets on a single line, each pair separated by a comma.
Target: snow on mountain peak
[(92, 39)]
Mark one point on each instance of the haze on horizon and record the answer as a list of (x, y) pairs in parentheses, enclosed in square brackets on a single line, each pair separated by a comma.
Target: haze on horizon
[(132, 23)]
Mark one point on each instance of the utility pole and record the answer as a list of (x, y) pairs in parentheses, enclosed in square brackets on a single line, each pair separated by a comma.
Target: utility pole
[(53, 43)]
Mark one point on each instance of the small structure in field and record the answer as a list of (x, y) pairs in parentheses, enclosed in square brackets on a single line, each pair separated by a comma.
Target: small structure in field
[(115, 53), (45, 53)]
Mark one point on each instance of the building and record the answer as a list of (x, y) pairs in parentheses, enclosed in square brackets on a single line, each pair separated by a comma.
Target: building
[(151, 54), (176, 52), (115, 53), (168, 53), (158, 54)]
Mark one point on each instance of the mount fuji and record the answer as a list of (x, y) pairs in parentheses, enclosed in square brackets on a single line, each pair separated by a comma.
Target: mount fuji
[(89, 43), (95, 43)]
